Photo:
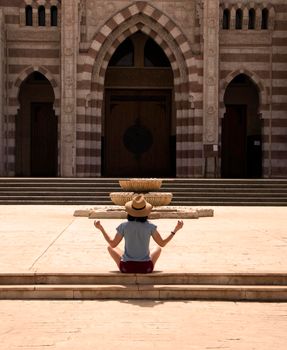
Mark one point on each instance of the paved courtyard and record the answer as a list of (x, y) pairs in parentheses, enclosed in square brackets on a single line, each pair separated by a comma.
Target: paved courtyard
[(236, 239), (51, 239), (142, 325)]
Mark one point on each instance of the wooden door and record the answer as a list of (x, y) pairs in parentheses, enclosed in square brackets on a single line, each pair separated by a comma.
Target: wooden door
[(43, 140), (137, 134), (233, 142)]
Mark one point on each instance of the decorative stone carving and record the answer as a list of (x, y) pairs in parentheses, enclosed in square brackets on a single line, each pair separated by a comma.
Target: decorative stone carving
[(126, 25), (211, 109), (69, 44), (69, 108), (68, 51), (210, 85), (68, 138), (69, 81), (211, 81), (211, 69), (211, 52)]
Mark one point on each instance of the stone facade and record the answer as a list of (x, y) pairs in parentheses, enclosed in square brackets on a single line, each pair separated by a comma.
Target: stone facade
[(74, 55), (2, 95)]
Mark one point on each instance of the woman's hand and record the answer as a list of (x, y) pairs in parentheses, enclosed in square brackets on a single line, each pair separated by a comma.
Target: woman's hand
[(178, 226), (112, 242), (98, 225)]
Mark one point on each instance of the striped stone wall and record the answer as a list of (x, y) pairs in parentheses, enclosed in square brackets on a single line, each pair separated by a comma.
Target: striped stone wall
[(277, 123), (262, 55), (2, 95), (178, 28), (28, 49)]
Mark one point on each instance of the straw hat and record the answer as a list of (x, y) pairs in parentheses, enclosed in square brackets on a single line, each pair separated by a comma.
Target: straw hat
[(138, 207)]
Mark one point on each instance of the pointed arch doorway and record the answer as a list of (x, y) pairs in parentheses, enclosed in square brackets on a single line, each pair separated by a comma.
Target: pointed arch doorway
[(241, 150), (139, 128), (36, 129)]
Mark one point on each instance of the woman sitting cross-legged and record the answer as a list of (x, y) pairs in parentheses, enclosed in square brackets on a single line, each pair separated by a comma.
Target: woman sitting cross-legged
[(136, 231)]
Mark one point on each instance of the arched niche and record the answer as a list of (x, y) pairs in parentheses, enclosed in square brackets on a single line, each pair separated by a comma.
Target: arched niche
[(241, 144), (137, 131), (36, 128)]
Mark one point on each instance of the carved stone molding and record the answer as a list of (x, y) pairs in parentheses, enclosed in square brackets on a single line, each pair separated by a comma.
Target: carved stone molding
[(69, 45), (127, 25), (211, 71)]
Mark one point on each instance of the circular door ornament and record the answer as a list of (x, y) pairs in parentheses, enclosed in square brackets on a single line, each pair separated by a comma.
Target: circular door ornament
[(137, 139)]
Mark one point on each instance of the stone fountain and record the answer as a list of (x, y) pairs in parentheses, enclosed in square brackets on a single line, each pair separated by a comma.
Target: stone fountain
[(150, 188)]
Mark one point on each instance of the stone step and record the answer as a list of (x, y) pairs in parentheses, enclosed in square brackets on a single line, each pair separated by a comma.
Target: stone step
[(197, 197), (154, 292), (230, 194), (220, 187), (59, 186), (47, 189), (99, 197), (94, 202), (186, 192), (165, 182), (200, 278), (224, 185), (227, 203), (178, 191), (100, 188), (157, 286)]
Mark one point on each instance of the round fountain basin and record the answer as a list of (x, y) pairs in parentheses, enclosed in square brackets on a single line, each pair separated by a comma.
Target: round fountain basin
[(140, 185), (121, 198), (156, 199)]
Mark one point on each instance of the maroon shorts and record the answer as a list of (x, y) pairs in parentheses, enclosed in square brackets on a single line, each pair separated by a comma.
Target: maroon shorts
[(136, 266)]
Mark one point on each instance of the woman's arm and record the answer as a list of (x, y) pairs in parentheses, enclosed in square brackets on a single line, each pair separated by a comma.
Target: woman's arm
[(163, 242), (112, 242)]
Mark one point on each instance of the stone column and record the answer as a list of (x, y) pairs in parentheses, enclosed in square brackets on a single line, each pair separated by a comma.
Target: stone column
[(69, 53), (210, 86), (2, 94)]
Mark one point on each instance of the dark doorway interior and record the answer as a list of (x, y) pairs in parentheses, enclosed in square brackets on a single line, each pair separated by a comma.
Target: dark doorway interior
[(36, 129), (241, 150), (233, 160), (43, 140)]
